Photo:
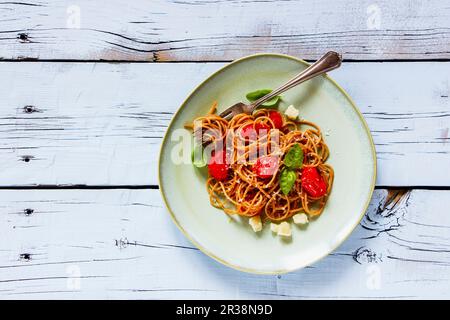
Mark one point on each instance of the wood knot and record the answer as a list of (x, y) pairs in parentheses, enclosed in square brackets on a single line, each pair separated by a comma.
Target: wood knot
[(30, 109), (26, 158), (23, 37), (365, 255), (387, 210), (122, 243), (28, 211), (25, 257)]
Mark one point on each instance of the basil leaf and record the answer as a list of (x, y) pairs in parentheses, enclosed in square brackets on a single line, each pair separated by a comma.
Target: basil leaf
[(255, 95), (287, 180), (197, 157), (294, 157)]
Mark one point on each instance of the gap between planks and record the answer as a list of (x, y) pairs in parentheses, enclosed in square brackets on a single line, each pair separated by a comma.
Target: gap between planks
[(156, 187), (204, 61)]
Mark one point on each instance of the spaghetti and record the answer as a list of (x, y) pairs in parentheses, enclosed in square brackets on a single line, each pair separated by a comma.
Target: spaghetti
[(261, 141)]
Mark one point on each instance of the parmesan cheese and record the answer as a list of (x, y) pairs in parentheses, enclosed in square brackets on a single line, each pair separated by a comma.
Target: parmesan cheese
[(255, 223), (274, 227), (300, 218), (291, 112), (284, 229)]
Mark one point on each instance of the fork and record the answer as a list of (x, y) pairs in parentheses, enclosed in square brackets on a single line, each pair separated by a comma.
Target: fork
[(329, 61)]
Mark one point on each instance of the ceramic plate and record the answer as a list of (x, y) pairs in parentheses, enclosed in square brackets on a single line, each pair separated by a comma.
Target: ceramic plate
[(232, 241)]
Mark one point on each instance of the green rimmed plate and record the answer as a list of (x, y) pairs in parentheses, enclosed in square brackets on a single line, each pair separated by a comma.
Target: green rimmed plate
[(232, 241)]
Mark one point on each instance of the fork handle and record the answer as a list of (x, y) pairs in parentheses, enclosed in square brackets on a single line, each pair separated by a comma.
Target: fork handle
[(329, 61)]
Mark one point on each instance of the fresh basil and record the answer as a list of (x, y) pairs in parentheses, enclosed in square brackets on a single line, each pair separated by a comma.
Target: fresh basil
[(294, 157), (287, 180), (197, 157), (255, 95)]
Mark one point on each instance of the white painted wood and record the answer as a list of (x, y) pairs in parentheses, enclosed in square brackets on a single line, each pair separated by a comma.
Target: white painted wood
[(122, 244), (102, 124), (194, 30)]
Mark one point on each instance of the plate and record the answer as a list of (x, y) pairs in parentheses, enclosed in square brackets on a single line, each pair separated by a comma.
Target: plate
[(231, 241)]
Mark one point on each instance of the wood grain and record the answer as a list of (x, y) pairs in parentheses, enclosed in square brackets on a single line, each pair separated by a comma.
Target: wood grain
[(122, 244), (163, 30), (102, 124)]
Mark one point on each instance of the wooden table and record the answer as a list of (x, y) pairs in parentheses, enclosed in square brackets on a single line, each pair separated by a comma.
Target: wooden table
[(87, 91)]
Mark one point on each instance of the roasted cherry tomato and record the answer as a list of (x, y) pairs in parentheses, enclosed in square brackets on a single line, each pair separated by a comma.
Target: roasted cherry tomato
[(250, 133), (266, 166), (217, 166), (313, 183), (276, 118), (260, 127)]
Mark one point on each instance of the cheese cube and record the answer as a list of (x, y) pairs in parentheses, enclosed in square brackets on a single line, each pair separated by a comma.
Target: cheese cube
[(274, 227), (284, 229), (300, 218), (255, 223), (291, 112)]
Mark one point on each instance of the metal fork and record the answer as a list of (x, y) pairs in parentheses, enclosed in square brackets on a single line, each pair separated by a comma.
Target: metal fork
[(330, 61)]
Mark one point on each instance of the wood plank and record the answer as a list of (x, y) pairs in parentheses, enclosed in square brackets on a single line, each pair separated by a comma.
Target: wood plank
[(122, 244), (223, 30), (107, 120)]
